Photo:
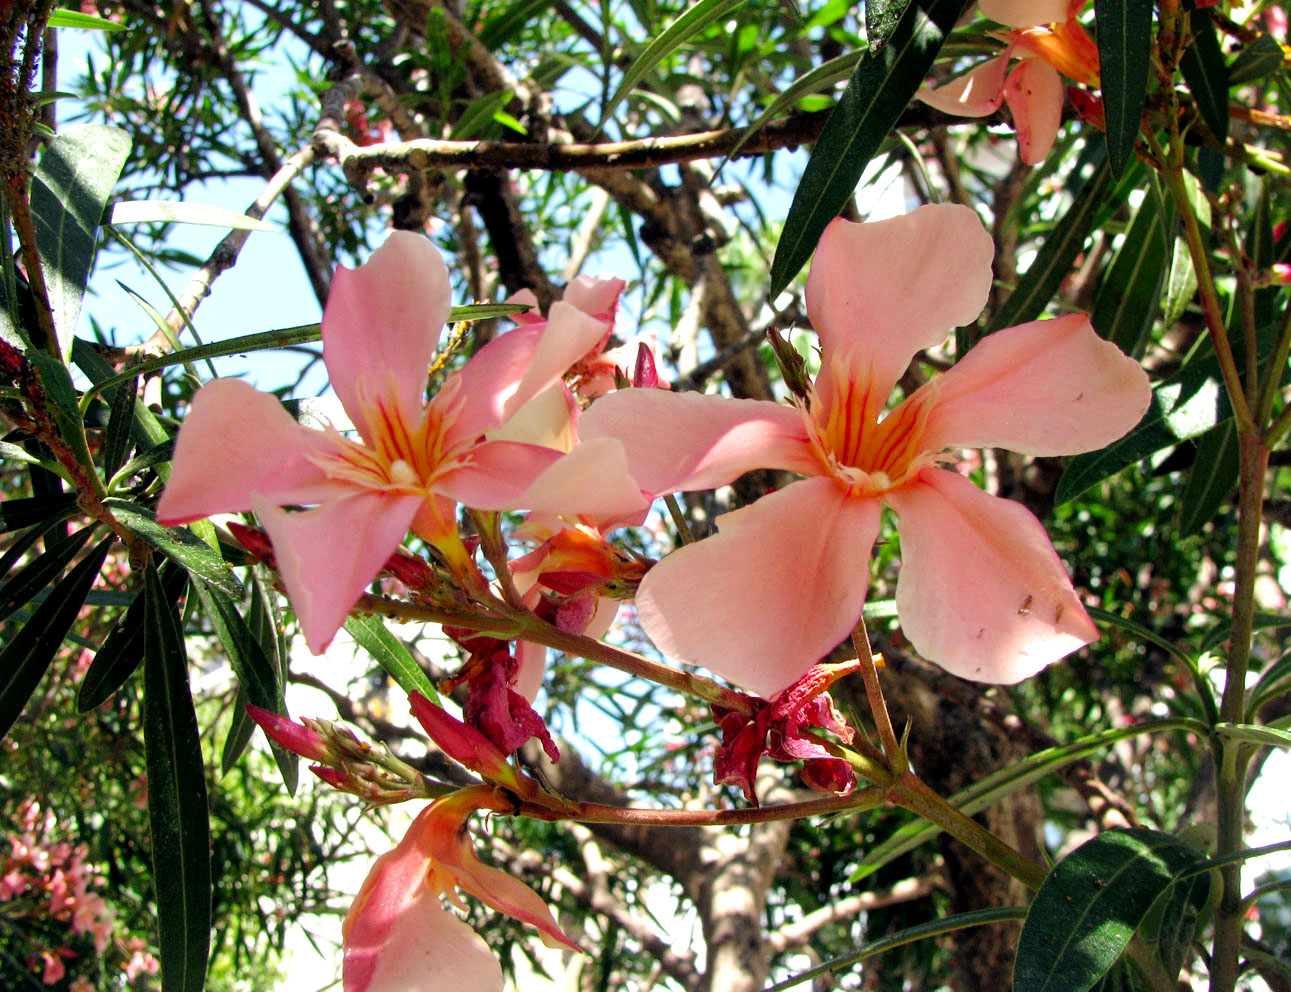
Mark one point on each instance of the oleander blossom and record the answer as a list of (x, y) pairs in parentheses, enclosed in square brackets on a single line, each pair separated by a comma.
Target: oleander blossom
[(483, 440), (981, 590), (1049, 42), (399, 937)]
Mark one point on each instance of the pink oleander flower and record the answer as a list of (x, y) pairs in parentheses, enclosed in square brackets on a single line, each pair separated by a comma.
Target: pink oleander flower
[(981, 590), (473, 443), (1047, 39), (399, 936)]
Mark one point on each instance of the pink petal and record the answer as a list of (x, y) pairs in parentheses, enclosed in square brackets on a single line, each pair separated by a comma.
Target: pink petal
[(1028, 13), (1048, 387), (592, 479), (498, 474), (597, 296), (677, 441), (880, 292), (515, 367), (531, 668), (976, 93), (328, 556), (381, 325), (508, 895), (981, 591), (400, 938), (1034, 92), (781, 583), (548, 419), (235, 441)]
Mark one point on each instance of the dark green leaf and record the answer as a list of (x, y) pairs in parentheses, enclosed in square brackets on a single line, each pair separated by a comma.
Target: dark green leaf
[(30, 511), (181, 545), (1054, 261), (508, 20), (57, 383), (1090, 906), (1263, 253), (1254, 734), (1255, 61), (69, 192), (241, 730), (1124, 38), (152, 457), (1129, 295), (177, 816), (1213, 477), (122, 650), (1272, 683), (1181, 285), (881, 20), (27, 655), (1206, 74), (147, 429), (879, 90), (117, 437), (40, 572), (1171, 923), (19, 548), (372, 634)]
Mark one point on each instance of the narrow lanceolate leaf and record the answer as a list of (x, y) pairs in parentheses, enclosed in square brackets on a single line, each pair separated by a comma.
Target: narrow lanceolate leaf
[(69, 192), (880, 89), (1213, 477), (147, 429), (1129, 296), (1124, 38), (241, 729), (180, 545), (122, 650), (75, 19), (257, 673), (1262, 251), (117, 439), (391, 655), (1181, 285), (40, 572), (693, 20), (177, 817), (32, 647), (1171, 923), (1090, 906), (881, 20), (30, 511), (1255, 61), (1054, 261), (179, 212), (1206, 74), (1274, 681), (1254, 734)]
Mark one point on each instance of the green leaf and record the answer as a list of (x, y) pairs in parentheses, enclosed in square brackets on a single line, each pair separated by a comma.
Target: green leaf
[(75, 19), (1090, 906), (180, 545), (21, 545), (1181, 285), (1129, 294), (32, 647), (147, 429), (879, 91), (1206, 74), (508, 20), (1257, 60), (375, 638), (69, 192), (177, 816), (1213, 477), (122, 650), (1171, 923), (692, 20), (58, 385), (257, 673), (37, 574), (479, 114), (881, 20), (1270, 685), (30, 511), (179, 212), (118, 438), (1124, 35), (1254, 734), (1263, 253), (241, 730), (1007, 781), (1054, 261)]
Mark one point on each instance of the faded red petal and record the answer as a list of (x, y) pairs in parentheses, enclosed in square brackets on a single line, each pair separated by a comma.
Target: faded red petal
[(1034, 92)]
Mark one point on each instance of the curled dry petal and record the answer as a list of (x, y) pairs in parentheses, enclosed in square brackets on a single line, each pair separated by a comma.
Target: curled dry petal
[(1034, 93)]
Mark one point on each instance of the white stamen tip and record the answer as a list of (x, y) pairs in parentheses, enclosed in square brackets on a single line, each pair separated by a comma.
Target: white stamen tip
[(402, 474)]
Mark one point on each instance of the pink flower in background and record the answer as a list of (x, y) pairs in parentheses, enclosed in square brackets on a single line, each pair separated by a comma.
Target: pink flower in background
[(1047, 40), (981, 590), (478, 441), (399, 936)]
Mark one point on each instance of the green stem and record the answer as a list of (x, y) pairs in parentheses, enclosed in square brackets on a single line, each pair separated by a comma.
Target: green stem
[(896, 758), (679, 520)]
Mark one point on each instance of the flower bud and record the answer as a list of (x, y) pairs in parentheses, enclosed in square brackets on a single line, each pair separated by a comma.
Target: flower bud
[(294, 737)]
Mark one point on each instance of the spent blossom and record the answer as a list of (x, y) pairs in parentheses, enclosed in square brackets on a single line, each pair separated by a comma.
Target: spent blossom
[(414, 461), (981, 591), (1049, 42)]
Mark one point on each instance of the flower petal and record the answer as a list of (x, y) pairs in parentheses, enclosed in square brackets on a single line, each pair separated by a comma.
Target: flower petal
[(685, 441), (515, 367), (982, 592), (400, 938), (1027, 13), (881, 291), (597, 296), (1048, 387), (329, 555), (976, 93), (1034, 92), (592, 479), (548, 419), (235, 441), (382, 322), (781, 583), (497, 475)]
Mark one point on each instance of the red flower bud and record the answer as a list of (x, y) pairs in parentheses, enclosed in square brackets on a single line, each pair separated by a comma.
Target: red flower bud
[(294, 737)]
